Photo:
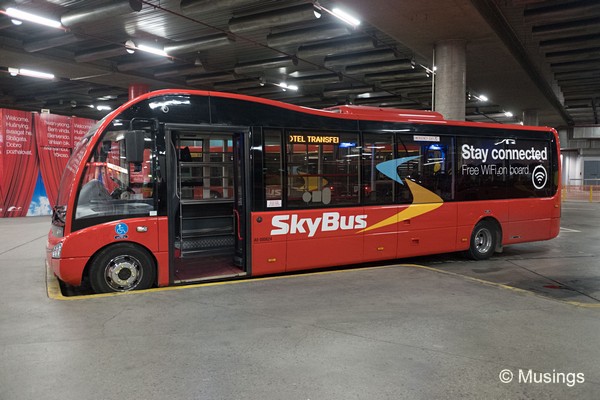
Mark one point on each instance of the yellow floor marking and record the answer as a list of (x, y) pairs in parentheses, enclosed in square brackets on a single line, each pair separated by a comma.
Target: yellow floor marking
[(54, 292)]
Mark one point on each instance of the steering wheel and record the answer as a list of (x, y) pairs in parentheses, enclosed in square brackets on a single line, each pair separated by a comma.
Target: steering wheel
[(122, 188)]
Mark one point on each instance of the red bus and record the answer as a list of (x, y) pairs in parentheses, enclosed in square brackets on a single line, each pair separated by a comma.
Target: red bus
[(181, 186)]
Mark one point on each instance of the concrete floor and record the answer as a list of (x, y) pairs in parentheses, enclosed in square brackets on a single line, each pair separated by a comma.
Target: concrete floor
[(382, 333)]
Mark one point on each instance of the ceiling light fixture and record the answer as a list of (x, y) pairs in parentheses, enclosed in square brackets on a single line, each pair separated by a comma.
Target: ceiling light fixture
[(344, 16), (153, 50), (285, 86), (131, 47), (25, 16), (30, 72), (339, 14), (508, 114)]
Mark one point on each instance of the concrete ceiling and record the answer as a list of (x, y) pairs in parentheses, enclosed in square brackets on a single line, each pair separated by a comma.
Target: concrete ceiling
[(522, 54)]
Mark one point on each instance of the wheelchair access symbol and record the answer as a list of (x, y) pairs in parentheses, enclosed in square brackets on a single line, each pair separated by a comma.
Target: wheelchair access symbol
[(121, 231)]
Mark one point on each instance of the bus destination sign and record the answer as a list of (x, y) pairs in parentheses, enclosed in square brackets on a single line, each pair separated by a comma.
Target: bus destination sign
[(314, 139)]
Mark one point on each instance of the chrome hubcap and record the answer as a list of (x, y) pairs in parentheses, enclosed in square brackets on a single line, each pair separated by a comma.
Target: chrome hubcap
[(123, 273), (483, 240)]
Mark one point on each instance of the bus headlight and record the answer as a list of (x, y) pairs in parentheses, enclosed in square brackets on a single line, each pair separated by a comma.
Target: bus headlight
[(57, 250)]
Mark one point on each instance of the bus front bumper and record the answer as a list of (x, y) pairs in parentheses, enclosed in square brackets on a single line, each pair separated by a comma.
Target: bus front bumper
[(68, 270)]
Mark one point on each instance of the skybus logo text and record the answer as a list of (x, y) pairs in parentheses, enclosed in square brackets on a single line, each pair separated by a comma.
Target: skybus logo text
[(330, 221)]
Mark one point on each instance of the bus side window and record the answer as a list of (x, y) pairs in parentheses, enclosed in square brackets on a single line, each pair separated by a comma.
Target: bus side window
[(376, 187), (431, 167), (322, 169), (273, 168)]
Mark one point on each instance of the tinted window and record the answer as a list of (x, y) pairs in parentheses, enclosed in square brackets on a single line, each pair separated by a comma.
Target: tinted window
[(479, 175), (273, 170), (377, 188), (430, 165), (322, 169)]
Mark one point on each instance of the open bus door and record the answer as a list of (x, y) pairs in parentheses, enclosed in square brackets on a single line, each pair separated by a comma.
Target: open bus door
[(207, 202)]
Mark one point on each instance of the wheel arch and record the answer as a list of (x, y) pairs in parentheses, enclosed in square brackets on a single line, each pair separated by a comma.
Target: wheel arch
[(86, 270), (498, 231)]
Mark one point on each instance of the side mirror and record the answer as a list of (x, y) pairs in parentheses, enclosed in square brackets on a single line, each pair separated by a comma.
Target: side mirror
[(134, 142)]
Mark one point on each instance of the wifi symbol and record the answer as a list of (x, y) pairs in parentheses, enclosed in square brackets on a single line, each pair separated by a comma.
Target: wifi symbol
[(539, 177)]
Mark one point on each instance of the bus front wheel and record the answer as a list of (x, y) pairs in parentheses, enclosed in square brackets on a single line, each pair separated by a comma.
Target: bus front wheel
[(483, 241), (120, 268)]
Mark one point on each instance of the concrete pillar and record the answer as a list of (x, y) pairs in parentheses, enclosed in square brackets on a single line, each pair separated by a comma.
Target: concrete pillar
[(137, 89), (530, 117), (450, 78)]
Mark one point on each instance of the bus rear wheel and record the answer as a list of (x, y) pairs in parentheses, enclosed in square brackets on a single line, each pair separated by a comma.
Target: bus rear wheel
[(120, 268), (483, 241)]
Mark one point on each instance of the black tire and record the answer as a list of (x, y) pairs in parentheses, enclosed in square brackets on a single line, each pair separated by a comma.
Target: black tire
[(483, 241), (122, 267)]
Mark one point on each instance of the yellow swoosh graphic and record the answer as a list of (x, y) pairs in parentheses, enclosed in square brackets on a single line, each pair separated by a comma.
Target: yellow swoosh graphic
[(426, 201)]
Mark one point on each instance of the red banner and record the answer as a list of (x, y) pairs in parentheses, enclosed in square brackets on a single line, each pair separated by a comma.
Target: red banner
[(53, 131), (80, 127), (54, 139), (20, 168)]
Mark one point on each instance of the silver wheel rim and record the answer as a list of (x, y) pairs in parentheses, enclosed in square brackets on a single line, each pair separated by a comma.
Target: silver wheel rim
[(123, 273), (483, 241)]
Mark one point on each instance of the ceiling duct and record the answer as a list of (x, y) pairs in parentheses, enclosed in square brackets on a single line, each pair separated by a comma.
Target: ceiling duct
[(106, 91), (346, 91), (317, 80), (105, 11), (572, 56), (302, 100), (380, 67), (324, 32), (284, 16), (236, 84), (405, 84), (100, 53), (359, 58), (593, 64), (410, 74), (205, 79), (560, 12), (48, 43), (571, 43), (207, 6), (257, 66), (143, 64), (567, 29), (6, 23), (261, 91), (376, 99), (335, 47), (178, 71), (193, 45)]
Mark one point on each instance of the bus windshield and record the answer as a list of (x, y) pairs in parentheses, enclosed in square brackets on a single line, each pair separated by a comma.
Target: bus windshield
[(118, 178)]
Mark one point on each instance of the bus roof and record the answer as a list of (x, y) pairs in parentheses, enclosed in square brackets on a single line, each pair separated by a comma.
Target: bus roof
[(344, 111)]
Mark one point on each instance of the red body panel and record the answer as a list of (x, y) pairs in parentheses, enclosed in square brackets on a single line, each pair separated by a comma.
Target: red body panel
[(80, 246)]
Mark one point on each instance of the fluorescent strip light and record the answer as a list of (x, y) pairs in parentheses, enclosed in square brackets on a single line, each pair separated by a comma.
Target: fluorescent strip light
[(285, 86), (153, 50), (508, 114), (29, 72), (344, 16), (25, 16)]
